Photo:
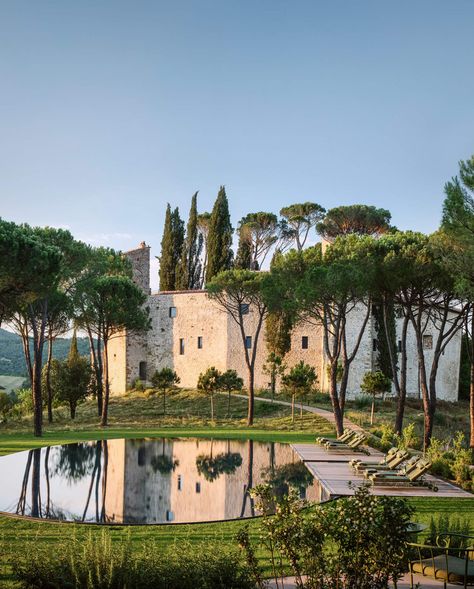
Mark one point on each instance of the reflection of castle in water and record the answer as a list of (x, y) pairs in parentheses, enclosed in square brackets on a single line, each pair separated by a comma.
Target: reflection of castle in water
[(150, 480), (158, 481)]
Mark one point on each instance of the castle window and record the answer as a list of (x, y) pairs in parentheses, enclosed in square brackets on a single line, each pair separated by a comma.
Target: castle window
[(199, 342), (248, 342), (399, 346), (181, 346), (169, 515), (180, 482), (427, 342), (375, 345), (198, 487), (244, 309), (142, 370), (304, 342), (172, 312), (141, 456)]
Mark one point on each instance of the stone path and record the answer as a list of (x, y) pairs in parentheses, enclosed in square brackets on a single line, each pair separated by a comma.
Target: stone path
[(328, 415)]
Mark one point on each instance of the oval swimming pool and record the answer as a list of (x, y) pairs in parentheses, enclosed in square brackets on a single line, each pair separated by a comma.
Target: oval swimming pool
[(148, 481)]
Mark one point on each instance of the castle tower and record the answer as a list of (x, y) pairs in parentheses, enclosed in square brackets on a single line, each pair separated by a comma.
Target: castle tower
[(140, 260), (128, 352)]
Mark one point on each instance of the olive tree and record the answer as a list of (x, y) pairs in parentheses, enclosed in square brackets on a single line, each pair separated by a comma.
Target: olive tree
[(299, 382), (209, 383), (375, 383), (165, 380)]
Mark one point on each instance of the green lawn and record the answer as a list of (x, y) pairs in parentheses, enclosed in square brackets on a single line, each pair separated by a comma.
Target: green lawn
[(135, 416)]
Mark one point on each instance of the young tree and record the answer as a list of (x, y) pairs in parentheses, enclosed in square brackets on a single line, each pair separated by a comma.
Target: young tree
[(278, 326), (299, 382), (219, 241), (375, 383), (357, 219), (165, 380), (209, 383), (258, 232), (230, 381), (239, 292), (190, 266), (301, 218), (114, 304), (69, 379), (275, 368)]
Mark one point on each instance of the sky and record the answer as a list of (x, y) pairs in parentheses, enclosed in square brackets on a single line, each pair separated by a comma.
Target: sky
[(110, 109)]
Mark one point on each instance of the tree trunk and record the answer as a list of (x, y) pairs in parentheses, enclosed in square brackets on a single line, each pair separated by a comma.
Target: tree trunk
[(228, 405), (471, 383), (273, 384), (48, 379), (72, 409), (97, 366), (212, 407), (100, 381), (164, 402), (250, 413), (301, 409), (338, 414), (37, 398), (402, 382), (105, 404), (372, 411), (48, 485), (35, 484), (293, 408)]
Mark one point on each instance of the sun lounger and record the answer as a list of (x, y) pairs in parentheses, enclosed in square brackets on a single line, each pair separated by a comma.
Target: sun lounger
[(413, 478), (354, 444), (344, 438), (392, 463), (403, 468), (355, 463)]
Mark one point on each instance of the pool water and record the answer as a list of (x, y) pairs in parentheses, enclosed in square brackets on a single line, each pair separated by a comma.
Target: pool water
[(148, 481)]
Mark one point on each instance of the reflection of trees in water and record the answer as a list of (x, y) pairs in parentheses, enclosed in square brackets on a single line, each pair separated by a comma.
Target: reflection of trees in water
[(95, 478), (163, 464), (294, 475), (75, 461), (211, 467), (249, 483)]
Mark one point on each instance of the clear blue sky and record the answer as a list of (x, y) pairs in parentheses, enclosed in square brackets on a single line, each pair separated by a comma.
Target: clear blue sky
[(110, 109)]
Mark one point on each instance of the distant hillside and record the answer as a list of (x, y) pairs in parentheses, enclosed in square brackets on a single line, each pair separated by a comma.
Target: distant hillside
[(12, 359)]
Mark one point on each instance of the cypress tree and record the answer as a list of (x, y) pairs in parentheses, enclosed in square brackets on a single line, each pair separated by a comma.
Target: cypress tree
[(219, 244), (190, 265), (73, 350), (243, 259), (167, 265), (177, 230)]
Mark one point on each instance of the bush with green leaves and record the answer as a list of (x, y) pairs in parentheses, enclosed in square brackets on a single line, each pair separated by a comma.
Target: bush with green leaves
[(6, 404), (98, 562), (375, 383), (165, 380), (354, 542), (299, 382), (209, 382), (452, 460)]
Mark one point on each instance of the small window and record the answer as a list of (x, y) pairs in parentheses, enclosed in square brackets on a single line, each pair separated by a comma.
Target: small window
[(399, 346), (199, 342), (142, 370), (427, 342), (169, 515), (198, 487), (248, 342), (181, 346), (172, 312), (304, 342), (375, 345), (141, 456), (180, 482), (244, 309)]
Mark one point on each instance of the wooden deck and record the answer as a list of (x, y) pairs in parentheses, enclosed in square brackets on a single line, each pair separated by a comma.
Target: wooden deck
[(332, 471)]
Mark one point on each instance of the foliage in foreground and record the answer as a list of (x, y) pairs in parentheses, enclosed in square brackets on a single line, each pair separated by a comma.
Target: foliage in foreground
[(357, 542), (99, 563)]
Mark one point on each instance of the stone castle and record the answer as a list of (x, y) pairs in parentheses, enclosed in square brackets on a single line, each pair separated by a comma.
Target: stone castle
[(190, 333)]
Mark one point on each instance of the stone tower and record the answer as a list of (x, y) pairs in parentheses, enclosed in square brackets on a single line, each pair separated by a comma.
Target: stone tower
[(140, 260)]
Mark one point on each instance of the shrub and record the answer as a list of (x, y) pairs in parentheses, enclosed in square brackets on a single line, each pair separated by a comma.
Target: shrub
[(97, 562), (138, 385), (444, 524), (362, 402), (408, 438), (357, 541)]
